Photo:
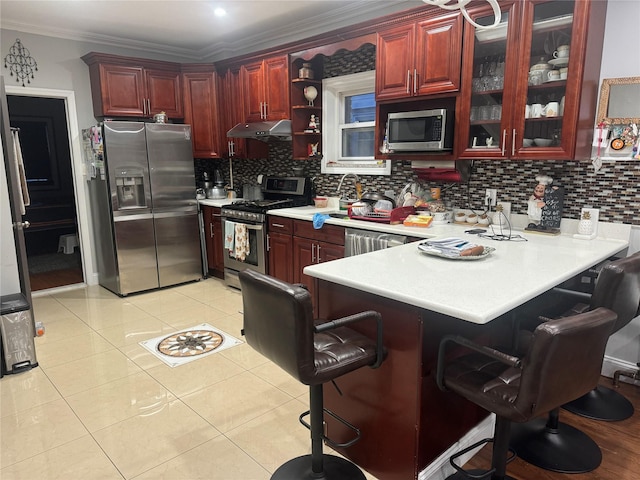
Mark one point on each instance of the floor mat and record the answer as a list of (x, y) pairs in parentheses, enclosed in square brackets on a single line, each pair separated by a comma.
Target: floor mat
[(190, 344), (53, 261)]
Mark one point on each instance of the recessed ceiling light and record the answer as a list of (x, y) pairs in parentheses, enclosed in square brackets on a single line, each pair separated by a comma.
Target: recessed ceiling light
[(220, 12)]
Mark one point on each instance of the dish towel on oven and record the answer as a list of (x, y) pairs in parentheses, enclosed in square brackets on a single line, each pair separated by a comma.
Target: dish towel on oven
[(242, 242), (229, 236)]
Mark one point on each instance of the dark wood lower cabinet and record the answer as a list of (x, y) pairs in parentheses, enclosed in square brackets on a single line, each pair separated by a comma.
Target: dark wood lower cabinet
[(295, 244), (214, 241), (280, 250)]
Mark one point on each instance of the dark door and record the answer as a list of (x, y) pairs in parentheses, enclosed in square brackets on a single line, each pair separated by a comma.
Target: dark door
[(52, 245)]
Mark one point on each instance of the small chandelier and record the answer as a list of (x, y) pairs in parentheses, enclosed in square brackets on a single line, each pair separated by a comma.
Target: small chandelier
[(20, 62), (462, 4)]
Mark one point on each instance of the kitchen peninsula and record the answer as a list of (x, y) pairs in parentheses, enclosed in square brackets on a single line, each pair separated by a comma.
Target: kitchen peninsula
[(406, 421)]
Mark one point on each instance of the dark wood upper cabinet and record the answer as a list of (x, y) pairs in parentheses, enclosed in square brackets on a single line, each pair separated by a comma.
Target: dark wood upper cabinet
[(201, 109), (419, 58), (133, 87), (265, 89), (530, 33)]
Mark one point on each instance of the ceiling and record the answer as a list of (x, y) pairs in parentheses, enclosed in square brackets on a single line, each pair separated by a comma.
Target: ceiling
[(189, 29)]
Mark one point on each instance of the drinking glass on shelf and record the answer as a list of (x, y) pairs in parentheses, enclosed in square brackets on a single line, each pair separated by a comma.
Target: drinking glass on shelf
[(473, 114), (500, 66), (492, 66), (486, 83), (484, 112), (496, 112), (476, 84)]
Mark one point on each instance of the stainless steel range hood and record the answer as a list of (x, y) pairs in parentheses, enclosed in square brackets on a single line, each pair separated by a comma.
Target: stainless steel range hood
[(265, 131)]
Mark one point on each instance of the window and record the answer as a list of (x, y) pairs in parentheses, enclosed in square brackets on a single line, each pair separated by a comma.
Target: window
[(348, 138)]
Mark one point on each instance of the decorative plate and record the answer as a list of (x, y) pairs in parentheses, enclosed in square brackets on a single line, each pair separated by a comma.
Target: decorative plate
[(617, 144), (487, 251)]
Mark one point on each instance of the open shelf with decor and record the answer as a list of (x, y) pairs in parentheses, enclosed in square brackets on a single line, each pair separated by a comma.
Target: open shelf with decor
[(306, 107)]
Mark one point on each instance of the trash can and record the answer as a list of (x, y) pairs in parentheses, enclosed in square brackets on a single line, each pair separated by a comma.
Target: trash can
[(16, 330)]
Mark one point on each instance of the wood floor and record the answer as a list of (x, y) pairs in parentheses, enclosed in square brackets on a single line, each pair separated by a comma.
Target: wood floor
[(619, 442), (55, 278)]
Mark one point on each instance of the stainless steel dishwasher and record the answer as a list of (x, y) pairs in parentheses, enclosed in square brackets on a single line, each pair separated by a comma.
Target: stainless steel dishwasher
[(357, 241)]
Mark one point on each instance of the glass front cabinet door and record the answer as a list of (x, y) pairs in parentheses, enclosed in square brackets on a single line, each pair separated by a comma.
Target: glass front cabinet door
[(523, 81)]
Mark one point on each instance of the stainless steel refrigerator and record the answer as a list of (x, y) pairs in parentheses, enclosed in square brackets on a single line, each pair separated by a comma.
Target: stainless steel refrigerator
[(144, 211)]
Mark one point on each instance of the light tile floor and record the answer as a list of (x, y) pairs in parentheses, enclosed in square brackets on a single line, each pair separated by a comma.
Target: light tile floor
[(99, 406)]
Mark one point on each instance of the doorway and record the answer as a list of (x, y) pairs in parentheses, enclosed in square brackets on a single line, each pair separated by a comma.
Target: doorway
[(53, 250)]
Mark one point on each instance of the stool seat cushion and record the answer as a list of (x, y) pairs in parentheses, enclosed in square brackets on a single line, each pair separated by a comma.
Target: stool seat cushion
[(340, 351), (486, 382)]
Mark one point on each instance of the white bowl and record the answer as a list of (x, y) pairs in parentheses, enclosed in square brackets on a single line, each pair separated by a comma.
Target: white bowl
[(472, 218), (483, 220), (460, 217), (542, 142), (527, 142)]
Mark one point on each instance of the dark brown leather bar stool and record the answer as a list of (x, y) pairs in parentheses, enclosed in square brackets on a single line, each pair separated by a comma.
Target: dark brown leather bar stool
[(557, 446), (618, 289), (549, 443), (562, 361), (279, 324)]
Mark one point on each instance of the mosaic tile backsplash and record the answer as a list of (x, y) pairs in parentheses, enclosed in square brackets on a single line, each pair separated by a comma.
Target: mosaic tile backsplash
[(615, 189)]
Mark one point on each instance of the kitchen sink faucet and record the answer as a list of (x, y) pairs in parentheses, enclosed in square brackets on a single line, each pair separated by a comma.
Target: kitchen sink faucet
[(356, 180)]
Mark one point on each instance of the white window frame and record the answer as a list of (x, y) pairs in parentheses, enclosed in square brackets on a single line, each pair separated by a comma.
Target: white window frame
[(334, 90)]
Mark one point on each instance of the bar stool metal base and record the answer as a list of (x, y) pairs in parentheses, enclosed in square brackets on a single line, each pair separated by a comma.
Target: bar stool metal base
[(475, 474), (334, 468), (563, 449), (601, 403)]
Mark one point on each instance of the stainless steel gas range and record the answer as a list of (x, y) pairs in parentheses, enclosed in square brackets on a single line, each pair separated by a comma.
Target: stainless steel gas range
[(244, 224)]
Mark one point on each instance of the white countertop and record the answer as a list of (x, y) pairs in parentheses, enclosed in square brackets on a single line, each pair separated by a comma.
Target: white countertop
[(214, 202), (475, 290), (306, 213)]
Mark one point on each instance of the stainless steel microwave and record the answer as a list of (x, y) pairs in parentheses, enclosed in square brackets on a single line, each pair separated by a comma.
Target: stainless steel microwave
[(420, 131)]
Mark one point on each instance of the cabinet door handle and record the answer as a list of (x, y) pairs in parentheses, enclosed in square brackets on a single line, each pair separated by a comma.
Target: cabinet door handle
[(266, 106), (513, 143), (318, 253), (144, 106), (408, 82), (504, 139), (148, 107), (313, 253), (211, 229), (268, 242), (415, 80), (279, 225)]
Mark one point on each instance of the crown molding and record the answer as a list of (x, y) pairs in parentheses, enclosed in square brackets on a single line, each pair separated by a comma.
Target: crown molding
[(351, 13)]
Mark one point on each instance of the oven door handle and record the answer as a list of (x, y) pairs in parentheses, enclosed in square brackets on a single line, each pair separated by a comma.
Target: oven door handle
[(250, 226)]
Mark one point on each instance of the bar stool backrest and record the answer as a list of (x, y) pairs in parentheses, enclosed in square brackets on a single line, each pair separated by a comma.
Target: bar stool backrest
[(618, 289), (563, 361)]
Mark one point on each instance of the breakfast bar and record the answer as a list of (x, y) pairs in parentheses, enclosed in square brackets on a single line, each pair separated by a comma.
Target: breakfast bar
[(406, 421)]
